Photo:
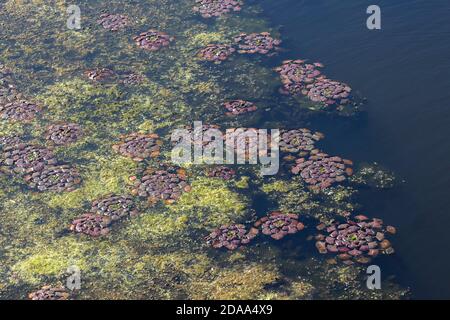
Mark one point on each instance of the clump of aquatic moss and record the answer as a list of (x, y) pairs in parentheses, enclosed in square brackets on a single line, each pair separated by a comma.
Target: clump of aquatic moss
[(375, 176), (101, 176), (78, 99), (156, 228), (210, 203), (241, 283), (52, 261)]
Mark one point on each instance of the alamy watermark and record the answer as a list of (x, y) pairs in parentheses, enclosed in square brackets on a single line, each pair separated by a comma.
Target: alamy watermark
[(74, 19), (73, 281), (237, 146), (374, 20), (374, 279)]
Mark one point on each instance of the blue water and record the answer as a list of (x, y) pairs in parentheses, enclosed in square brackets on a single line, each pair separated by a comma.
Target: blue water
[(404, 71)]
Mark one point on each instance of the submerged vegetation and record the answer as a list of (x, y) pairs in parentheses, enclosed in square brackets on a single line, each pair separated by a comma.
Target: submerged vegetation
[(86, 117)]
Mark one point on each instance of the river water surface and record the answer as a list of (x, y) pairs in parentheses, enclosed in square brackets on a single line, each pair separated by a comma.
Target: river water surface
[(403, 69)]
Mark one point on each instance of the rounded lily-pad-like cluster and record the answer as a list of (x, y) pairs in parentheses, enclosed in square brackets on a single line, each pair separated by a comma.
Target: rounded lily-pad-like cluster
[(153, 40), (216, 8), (223, 172), (328, 92), (296, 74), (132, 79), (299, 140), (216, 52), (19, 110), (299, 77), (115, 206), (113, 22), (194, 140), (139, 146), (8, 141), (355, 240), (278, 224), (245, 141), (91, 224), (166, 183), (238, 107), (50, 293), (57, 178), (25, 158), (231, 236), (321, 171), (261, 43), (100, 74), (64, 133)]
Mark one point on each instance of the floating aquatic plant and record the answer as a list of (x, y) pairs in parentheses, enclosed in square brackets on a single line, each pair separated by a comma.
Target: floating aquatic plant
[(278, 225), (231, 236), (216, 8), (20, 110), (139, 146), (63, 134), (238, 107), (115, 206), (261, 43), (216, 52), (113, 22), (321, 170), (56, 178), (91, 224), (153, 40), (166, 183), (50, 293), (357, 240)]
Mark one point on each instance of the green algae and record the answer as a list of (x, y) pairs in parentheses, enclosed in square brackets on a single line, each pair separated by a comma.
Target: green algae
[(375, 176), (211, 203), (102, 176)]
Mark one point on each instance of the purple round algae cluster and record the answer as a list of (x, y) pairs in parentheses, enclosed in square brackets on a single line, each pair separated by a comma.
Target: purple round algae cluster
[(231, 236), (165, 183), (20, 110), (278, 225), (222, 172), (194, 132), (261, 43), (113, 22), (26, 158), (115, 207), (63, 133), (321, 170), (139, 146), (216, 52), (50, 293), (7, 141), (299, 77), (13, 106), (296, 74), (238, 107), (100, 74), (328, 92), (91, 224), (300, 141), (242, 143), (132, 79), (56, 178), (216, 8), (357, 240), (153, 40)]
